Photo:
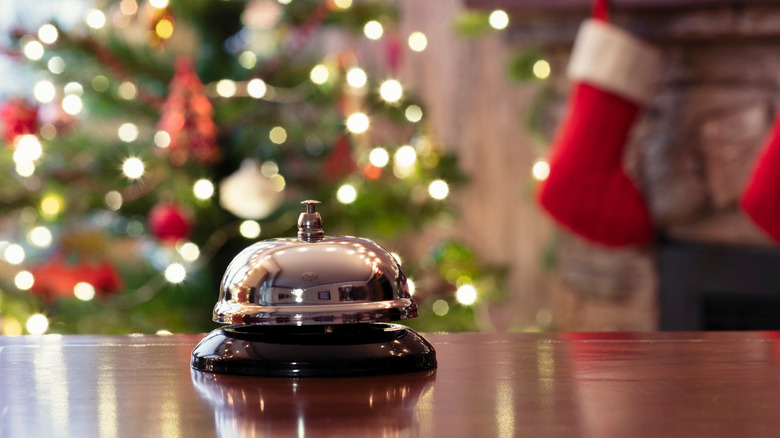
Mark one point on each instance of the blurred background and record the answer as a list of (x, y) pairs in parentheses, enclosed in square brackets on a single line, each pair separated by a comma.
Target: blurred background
[(145, 143)]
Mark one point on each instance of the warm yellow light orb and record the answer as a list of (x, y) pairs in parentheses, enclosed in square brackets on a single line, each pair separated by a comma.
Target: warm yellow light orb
[(133, 168), (438, 189), (466, 294), (319, 74), (373, 30), (256, 88), (48, 34), (391, 90), (203, 189), (84, 291), (346, 194), (379, 157), (541, 69), (356, 77), (249, 229), (226, 88), (498, 19), (37, 324), (541, 170), (418, 41), (357, 123), (175, 273)]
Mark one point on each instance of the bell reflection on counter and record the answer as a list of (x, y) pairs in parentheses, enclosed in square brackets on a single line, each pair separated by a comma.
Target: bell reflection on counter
[(360, 406), (313, 306)]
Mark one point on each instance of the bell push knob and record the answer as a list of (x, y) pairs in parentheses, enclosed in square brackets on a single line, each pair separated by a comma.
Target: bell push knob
[(310, 223)]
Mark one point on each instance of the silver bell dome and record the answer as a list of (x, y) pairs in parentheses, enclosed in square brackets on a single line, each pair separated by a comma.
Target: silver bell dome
[(313, 280)]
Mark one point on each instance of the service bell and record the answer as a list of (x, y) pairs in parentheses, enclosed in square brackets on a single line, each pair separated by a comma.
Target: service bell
[(314, 305)]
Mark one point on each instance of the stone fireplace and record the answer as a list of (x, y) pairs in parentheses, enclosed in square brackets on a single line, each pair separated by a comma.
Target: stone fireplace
[(691, 153)]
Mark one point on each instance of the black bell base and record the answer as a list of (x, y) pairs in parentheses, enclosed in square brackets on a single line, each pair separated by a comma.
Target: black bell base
[(313, 351)]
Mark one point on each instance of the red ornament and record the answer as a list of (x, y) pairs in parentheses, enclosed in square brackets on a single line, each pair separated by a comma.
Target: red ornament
[(340, 163), (169, 222), (19, 118), (186, 117), (57, 279)]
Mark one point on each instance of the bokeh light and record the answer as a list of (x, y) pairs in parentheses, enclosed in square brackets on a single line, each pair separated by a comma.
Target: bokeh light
[(346, 194)]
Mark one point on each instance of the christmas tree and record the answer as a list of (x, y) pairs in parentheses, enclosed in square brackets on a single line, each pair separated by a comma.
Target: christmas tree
[(160, 138)]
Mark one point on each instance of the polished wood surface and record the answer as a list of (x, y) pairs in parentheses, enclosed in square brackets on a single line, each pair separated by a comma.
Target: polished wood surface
[(519, 384)]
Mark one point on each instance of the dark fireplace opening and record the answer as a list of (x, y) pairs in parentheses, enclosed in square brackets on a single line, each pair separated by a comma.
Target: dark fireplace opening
[(718, 287), (739, 312)]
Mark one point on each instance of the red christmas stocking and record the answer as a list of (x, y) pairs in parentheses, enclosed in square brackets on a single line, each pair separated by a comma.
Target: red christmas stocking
[(761, 197), (587, 190)]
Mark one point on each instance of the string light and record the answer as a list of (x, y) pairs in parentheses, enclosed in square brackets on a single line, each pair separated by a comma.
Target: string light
[(541, 69), (52, 204), (133, 168), (95, 18), (37, 324), (14, 254), (498, 19), (379, 157), (391, 90), (33, 50), (24, 280), (175, 273), (278, 135), (100, 83), (189, 251), (440, 307), (319, 74), (159, 4), (247, 59), (405, 156), (356, 77), (541, 169), (269, 169), (412, 287), (127, 90), (466, 294), (413, 113), (84, 291), (438, 189), (163, 332), (357, 123), (203, 189), (40, 236), (28, 149), (56, 65), (72, 104), (346, 194), (127, 132), (113, 200), (256, 88), (343, 4), (48, 34), (11, 327), (73, 88), (162, 139), (164, 28), (44, 91), (25, 169), (249, 229), (417, 41), (278, 183), (226, 88), (128, 7), (373, 30)]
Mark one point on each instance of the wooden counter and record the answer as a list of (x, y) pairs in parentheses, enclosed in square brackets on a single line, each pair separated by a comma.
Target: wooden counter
[(519, 384)]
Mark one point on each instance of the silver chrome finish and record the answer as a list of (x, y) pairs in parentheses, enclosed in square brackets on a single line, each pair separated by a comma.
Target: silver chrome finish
[(310, 224), (312, 280)]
